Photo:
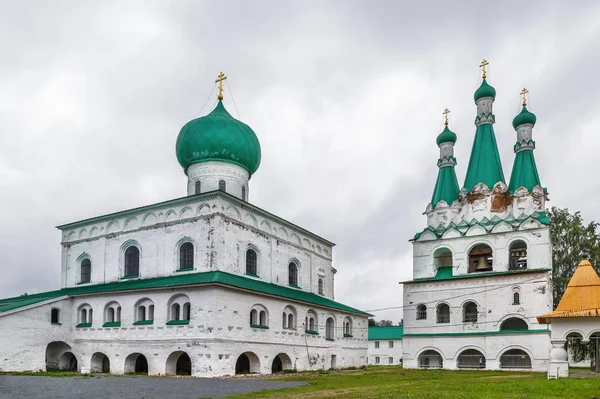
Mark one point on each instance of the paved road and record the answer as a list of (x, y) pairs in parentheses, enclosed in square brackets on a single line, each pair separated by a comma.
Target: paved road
[(108, 387)]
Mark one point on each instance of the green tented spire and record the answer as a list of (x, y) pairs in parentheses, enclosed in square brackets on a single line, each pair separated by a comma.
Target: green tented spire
[(524, 172), (484, 163), (446, 186)]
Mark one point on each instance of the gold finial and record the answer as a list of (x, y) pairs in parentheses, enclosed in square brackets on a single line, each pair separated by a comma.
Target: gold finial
[(446, 112), (483, 64), (524, 94), (220, 80)]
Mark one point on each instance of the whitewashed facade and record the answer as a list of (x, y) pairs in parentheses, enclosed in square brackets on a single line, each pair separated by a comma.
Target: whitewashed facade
[(385, 346), (207, 285)]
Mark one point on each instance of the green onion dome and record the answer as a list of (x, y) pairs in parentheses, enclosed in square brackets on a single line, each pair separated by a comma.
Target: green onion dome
[(485, 90), (218, 137), (524, 117), (446, 136)]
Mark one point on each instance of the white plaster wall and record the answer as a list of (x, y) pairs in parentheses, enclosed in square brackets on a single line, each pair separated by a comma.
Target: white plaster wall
[(221, 232), (493, 296), (491, 346), (539, 251), (585, 326), (219, 331), (384, 352), (210, 172)]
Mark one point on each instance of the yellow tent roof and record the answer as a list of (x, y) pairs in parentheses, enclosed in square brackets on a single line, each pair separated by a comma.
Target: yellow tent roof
[(582, 297)]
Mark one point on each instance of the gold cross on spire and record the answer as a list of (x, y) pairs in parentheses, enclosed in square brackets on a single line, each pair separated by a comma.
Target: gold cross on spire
[(446, 112), (220, 80), (483, 64), (524, 94)]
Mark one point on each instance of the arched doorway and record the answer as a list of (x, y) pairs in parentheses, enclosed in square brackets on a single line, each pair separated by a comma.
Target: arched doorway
[(281, 362), (430, 359), (67, 362), (246, 363), (100, 363), (136, 363), (54, 351), (178, 363)]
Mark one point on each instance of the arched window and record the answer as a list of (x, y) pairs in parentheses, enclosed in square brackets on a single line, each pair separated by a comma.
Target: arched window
[(175, 312), (443, 313), (55, 316), (110, 315), (348, 327), (186, 311), (442, 257), (421, 312), (85, 316), (289, 317), (481, 259), (259, 316), (293, 274), (251, 262), (197, 187), (329, 329), (515, 359), (517, 255), (321, 286), (470, 312), (186, 256), (514, 323), (243, 193), (86, 271), (144, 311), (310, 322), (132, 261), (471, 359), (222, 185), (516, 298)]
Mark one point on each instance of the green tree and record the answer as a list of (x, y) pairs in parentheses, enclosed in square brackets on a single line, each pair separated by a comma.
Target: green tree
[(570, 237), (372, 322), (385, 323)]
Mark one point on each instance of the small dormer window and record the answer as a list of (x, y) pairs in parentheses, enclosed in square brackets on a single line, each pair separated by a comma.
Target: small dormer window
[(222, 185), (198, 187)]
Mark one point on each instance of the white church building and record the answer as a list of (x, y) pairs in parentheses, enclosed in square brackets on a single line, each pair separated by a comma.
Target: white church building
[(207, 284), (482, 266)]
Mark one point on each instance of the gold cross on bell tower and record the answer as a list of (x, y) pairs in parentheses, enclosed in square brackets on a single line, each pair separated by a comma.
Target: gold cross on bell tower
[(220, 80), (483, 64), (446, 112), (524, 94)]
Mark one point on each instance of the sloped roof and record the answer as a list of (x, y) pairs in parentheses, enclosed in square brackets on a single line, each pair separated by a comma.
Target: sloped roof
[(582, 297), (214, 277), (391, 332)]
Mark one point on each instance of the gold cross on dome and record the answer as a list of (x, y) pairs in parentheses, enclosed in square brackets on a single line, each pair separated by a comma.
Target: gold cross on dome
[(524, 94), (446, 112), (483, 64), (220, 80)]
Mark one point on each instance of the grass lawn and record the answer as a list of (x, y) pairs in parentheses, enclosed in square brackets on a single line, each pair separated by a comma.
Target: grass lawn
[(395, 382)]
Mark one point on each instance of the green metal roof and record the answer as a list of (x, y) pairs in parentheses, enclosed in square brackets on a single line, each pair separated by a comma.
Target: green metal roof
[(446, 136), (524, 117), (442, 276), (446, 186), (485, 90), (524, 172), (214, 277), (218, 137), (383, 333), (484, 163)]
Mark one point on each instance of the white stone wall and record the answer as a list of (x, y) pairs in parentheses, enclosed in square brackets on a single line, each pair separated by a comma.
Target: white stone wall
[(539, 250), (492, 347), (384, 352), (211, 172), (221, 232), (218, 333)]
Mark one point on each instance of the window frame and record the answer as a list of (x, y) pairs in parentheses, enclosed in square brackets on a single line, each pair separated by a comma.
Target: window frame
[(186, 256), (197, 187), (131, 260), (251, 269), (222, 185), (86, 263)]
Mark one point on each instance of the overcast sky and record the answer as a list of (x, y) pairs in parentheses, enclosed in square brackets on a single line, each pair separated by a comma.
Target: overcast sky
[(346, 99)]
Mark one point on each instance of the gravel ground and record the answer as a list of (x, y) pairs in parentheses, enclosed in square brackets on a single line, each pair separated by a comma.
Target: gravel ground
[(107, 387)]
